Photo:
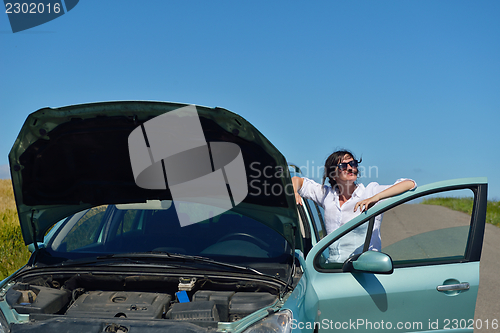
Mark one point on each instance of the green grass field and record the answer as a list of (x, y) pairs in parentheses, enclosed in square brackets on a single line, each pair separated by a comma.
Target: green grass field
[(465, 205), (14, 254)]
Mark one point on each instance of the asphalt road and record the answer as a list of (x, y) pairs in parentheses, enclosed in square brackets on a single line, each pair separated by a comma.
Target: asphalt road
[(488, 299), (408, 220)]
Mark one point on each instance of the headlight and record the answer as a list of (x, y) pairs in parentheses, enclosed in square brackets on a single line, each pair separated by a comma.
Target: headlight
[(278, 322), (4, 326)]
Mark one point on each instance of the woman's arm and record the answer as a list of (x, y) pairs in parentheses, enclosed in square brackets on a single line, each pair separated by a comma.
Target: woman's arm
[(395, 189), (297, 185)]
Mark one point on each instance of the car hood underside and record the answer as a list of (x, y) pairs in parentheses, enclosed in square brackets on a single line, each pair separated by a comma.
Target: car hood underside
[(72, 158)]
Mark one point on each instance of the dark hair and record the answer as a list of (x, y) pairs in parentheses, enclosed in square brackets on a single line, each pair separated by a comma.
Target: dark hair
[(331, 165)]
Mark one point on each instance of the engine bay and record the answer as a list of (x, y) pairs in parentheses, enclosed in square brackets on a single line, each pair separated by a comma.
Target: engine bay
[(203, 301)]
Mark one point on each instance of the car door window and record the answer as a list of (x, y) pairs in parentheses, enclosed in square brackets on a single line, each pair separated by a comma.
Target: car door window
[(432, 228), (129, 222), (318, 224), (85, 231), (344, 247), (426, 231)]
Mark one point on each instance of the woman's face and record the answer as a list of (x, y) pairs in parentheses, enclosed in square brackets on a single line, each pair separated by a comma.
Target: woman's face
[(349, 174)]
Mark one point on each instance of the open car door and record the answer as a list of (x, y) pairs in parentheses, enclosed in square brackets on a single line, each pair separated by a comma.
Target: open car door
[(426, 276)]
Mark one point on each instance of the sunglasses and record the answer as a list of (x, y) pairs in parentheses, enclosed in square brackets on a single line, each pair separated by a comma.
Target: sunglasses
[(343, 166)]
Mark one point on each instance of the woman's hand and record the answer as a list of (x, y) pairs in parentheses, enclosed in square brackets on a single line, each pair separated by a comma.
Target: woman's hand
[(395, 189), (297, 184), (298, 198), (367, 203)]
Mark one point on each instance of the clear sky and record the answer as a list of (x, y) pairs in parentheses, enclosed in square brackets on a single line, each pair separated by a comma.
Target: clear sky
[(411, 86)]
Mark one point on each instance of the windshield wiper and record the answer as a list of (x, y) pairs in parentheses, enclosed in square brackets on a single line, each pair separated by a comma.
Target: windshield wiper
[(102, 260), (178, 256)]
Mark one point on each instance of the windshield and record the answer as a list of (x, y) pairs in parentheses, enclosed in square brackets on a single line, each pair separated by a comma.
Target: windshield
[(154, 226)]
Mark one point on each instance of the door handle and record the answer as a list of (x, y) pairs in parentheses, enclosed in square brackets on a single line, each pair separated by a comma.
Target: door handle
[(453, 287)]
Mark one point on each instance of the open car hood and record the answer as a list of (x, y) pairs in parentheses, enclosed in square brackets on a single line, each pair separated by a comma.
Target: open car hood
[(72, 158)]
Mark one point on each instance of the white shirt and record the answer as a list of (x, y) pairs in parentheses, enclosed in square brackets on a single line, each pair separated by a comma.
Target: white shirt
[(336, 216)]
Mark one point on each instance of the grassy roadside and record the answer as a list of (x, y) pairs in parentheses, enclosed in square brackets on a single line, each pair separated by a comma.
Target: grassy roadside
[(13, 252), (465, 205)]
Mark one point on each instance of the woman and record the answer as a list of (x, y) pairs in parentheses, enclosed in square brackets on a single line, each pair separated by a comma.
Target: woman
[(344, 199)]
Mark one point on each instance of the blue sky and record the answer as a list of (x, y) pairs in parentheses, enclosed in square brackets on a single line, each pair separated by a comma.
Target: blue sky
[(411, 86)]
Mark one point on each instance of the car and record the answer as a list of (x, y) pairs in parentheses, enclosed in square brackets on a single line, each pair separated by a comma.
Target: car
[(165, 217)]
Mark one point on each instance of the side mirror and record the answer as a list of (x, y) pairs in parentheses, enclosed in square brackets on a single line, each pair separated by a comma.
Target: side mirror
[(369, 262), (31, 247)]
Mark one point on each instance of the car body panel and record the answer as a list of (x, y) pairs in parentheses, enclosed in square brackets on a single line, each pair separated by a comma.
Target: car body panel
[(408, 295)]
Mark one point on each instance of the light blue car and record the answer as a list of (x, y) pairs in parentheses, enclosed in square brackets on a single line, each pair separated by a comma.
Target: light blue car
[(160, 217)]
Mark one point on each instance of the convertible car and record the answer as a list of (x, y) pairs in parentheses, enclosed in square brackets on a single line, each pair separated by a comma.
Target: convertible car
[(161, 217)]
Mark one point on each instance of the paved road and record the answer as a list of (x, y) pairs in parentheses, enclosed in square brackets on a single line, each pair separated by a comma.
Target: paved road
[(488, 299), (407, 220)]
